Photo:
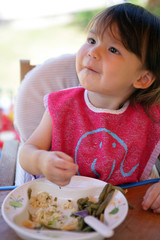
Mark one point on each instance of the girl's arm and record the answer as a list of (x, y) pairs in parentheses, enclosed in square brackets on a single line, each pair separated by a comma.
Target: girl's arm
[(36, 158)]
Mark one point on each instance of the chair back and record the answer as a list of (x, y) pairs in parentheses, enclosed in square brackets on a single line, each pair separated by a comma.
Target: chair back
[(25, 67), (53, 75)]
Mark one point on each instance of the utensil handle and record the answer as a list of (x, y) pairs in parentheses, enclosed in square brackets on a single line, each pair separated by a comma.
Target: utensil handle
[(129, 185), (8, 187), (100, 227)]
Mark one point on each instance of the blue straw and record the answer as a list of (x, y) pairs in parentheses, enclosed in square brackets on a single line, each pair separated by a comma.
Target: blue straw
[(129, 185), (8, 187), (126, 185)]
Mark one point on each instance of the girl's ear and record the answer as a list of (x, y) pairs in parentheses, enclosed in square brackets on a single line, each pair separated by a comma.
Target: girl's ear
[(145, 81)]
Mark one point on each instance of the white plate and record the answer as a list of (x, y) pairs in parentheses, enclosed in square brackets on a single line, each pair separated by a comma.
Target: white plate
[(14, 207)]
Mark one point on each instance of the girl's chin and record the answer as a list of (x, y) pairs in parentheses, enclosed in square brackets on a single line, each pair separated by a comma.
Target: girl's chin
[(89, 83)]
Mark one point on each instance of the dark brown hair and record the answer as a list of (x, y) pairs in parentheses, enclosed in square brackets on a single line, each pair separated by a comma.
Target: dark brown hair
[(140, 33)]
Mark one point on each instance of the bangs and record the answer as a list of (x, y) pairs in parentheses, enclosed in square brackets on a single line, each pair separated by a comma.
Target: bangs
[(127, 21)]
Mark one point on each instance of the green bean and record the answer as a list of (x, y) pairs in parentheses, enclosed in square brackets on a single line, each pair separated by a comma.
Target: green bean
[(87, 229), (102, 194), (29, 192), (120, 189), (123, 192), (94, 205), (82, 201), (94, 212), (88, 204), (130, 205), (30, 216), (80, 207), (103, 205), (80, 224), (89, 210), (107, 188)]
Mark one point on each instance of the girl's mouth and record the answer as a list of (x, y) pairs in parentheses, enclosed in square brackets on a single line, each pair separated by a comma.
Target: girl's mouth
[(91, 69)]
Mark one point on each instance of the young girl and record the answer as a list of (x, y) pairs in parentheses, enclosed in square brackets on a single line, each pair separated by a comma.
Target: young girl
[(109, 128)]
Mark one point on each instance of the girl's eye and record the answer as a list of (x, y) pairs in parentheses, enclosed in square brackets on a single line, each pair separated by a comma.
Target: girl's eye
[(91, 41), (114, 50)]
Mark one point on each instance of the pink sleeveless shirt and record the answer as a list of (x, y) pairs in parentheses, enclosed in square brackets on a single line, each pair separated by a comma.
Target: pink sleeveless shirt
[(116, 146)]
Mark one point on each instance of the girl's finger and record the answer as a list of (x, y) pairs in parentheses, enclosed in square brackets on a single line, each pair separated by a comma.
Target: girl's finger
[(60, 177), (156, 210), (156, 203), (63, 161), (151, 195), (148, 192), (64, 156)]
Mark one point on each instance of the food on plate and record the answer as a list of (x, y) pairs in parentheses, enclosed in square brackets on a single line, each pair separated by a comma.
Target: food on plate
[(46, 211)]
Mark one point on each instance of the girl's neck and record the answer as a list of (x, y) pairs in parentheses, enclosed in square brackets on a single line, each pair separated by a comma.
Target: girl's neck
[(106, 102)]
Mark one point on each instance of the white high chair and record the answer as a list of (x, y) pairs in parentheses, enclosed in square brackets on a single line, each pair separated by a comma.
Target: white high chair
[(53, 75)]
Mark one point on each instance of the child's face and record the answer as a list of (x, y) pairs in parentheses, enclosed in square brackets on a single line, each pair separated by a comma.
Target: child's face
[(105, 66)]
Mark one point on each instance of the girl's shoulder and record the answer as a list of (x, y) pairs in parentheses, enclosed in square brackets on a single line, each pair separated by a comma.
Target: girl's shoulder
[(151, 114), (154, 113)]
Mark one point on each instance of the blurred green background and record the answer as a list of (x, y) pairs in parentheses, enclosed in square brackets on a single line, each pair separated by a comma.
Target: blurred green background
[(39, 39)]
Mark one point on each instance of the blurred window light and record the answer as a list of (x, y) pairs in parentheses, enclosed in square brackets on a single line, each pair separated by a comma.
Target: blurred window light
[(16, 9)]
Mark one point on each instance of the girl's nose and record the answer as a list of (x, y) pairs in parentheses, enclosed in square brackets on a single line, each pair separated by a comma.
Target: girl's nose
[(94, 52)]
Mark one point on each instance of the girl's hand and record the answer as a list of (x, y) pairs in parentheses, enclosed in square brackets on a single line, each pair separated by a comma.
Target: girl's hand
[(57, 167), (152, 198)]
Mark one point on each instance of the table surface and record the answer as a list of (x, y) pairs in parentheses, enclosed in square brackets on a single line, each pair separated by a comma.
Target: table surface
[(138, 225)]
